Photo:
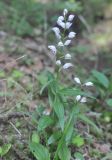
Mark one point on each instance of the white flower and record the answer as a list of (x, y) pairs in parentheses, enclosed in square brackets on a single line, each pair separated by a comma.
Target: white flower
[(83, 100), (58, 62), (47, 112), (78, 97), (71, 35), (57, 32), (71, 17), (67, 42), (61, 18), (77, 80), (53, 49), (88, 84), (68, 56), (58, 36), (60, 23), (65, 12), (60, 44), (68, 25), (67, 65)]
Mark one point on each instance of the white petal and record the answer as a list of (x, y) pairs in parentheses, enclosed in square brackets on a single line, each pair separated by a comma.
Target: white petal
[(88, 84), (53, 49), (71, 35), (78, 97), (61, 18), (77, 80), (71, 17), (56, 30), (58, 36), (67, 65), (58, 62), (65, 12), (60, 44), (83, 100), (68, 56), (67, 42), (68, 25), (60, 23)]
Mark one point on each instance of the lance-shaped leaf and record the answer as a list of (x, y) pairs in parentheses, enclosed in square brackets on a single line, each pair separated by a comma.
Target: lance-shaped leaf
[(39, 151), (59, 110)]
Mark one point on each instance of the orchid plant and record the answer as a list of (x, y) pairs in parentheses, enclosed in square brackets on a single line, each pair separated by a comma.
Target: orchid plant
[(55, 125)]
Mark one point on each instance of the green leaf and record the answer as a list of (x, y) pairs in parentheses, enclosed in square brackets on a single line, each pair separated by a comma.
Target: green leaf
[(70, 91), (54, 137), (71, 120), (69, 132), (45, 79), (102, 79), (35, 137), (44, 122), (78, 141), (74, 92), (59, 110), (46, 85), (78, 156), (39, 151), (109, 102), (5, 149), (64, 153), (42, 78), (88, 121)]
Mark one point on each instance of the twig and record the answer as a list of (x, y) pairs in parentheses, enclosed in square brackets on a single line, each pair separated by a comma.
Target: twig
[(16, 129)]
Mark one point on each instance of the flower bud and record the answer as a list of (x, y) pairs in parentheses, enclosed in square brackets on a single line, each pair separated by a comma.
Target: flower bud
[(78, 97), (68, 25), (67, 42), (57, 32), (65, 12), (88, 84), (68, 56), (67, 65), (53, 49), (60, 44), (71, 17), (77, 80), (61, 18), (83, 100), (71, 35), (60, 23), (58, 62)]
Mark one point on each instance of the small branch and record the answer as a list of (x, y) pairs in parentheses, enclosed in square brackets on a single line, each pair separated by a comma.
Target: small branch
[(16, 129)]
